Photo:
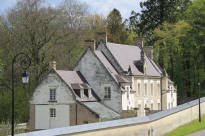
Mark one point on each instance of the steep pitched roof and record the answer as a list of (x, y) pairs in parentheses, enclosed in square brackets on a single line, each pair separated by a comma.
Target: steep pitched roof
[(75, 80), (70, 77), (110, 68), (126, 55), (104, 112)]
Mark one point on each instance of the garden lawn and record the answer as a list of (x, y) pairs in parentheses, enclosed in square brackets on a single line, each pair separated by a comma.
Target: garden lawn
[(188, 128)]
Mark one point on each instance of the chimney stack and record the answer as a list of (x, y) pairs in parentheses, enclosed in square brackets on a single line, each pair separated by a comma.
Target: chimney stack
[(149, 51), (53, 65), (102, 37), (139, 42), (91, 44)]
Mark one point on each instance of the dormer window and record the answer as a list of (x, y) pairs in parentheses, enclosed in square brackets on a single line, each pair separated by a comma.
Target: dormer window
[(89, 93), (86, 92), (52, 94), (77, 91), (81, 93)]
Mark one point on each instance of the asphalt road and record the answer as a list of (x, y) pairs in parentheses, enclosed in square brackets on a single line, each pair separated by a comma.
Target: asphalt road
[(199, 133)]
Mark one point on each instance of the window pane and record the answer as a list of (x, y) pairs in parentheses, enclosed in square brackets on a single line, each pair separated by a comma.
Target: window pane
[(52, 94), (145, 89), (151, 89), (107, 92), (159, 89), (52, 112)]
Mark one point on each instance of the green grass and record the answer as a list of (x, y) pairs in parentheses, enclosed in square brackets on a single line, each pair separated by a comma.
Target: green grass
[(188, 128)]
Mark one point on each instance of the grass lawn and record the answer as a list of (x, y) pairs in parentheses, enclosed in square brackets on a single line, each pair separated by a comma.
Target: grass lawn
[(188, 128)]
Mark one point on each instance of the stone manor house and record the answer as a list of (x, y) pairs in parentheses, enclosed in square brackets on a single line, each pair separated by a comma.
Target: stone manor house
[(108, 79)]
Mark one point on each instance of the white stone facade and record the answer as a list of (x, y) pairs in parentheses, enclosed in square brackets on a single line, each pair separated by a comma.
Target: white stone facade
[(41, 101)]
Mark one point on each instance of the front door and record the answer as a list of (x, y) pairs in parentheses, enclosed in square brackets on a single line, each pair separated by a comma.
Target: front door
[(52, 120)]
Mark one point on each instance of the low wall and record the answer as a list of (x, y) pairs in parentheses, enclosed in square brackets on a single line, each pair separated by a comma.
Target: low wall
[(153, 125)]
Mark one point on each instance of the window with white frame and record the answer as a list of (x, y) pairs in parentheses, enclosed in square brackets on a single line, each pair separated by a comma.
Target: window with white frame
[(151, 89), (158, 87), (128, 95), (82, 93), (139, 88), (107, 92), (145, 89), (52, 112), (53, 94), (127, 88)]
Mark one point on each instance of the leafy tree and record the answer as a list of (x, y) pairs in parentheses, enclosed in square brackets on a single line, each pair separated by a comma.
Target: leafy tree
[(95, 23), (38, 30), (46, 34), (154, 13), (118, 31), (180, 47), (170, 40)]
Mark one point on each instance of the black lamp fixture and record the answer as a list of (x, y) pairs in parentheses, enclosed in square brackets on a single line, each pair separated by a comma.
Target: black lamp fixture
[(25, 77), (25, 62)]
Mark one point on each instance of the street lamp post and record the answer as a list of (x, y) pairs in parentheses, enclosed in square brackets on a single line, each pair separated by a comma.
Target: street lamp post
[(25, 62), (199, 103)]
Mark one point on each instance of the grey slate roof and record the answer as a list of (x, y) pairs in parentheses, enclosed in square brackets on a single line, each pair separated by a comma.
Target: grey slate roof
[(104, 112), (75, 80), (110, 68), (70, 77), (126, 55)]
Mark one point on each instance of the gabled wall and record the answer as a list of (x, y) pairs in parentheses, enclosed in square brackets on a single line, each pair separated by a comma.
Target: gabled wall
[(40, 105), (42, 91), (98, 77)]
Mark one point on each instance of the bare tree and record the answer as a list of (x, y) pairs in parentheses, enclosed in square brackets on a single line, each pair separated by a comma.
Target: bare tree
[(44, 32)]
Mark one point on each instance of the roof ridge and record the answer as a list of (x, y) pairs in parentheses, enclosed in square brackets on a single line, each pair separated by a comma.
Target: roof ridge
[(109, 61), (105, 67), (123, 44), (108, 107), (114, 57), (156, 64), (152, 64)]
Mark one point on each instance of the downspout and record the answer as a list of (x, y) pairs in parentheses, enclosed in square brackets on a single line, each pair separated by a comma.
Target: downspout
[(76, 115), (161, 90)]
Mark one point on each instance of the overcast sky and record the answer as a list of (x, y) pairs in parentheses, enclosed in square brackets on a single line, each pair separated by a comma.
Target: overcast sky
[(96, 6)]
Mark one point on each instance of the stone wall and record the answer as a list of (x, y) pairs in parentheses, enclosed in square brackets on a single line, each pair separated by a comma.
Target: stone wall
[(84, 115), (31, 123), (98, 78), (153, 125)]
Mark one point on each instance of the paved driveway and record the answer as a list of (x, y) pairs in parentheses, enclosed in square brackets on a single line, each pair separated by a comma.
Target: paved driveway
[(199, 133)]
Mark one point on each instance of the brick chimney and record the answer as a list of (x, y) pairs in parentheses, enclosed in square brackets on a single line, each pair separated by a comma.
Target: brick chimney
[(148, 51), (53, 65), (102, 37), (139, 42), (91, 44)]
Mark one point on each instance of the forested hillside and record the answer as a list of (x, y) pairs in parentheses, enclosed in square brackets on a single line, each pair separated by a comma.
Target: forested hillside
[(175, 28)]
